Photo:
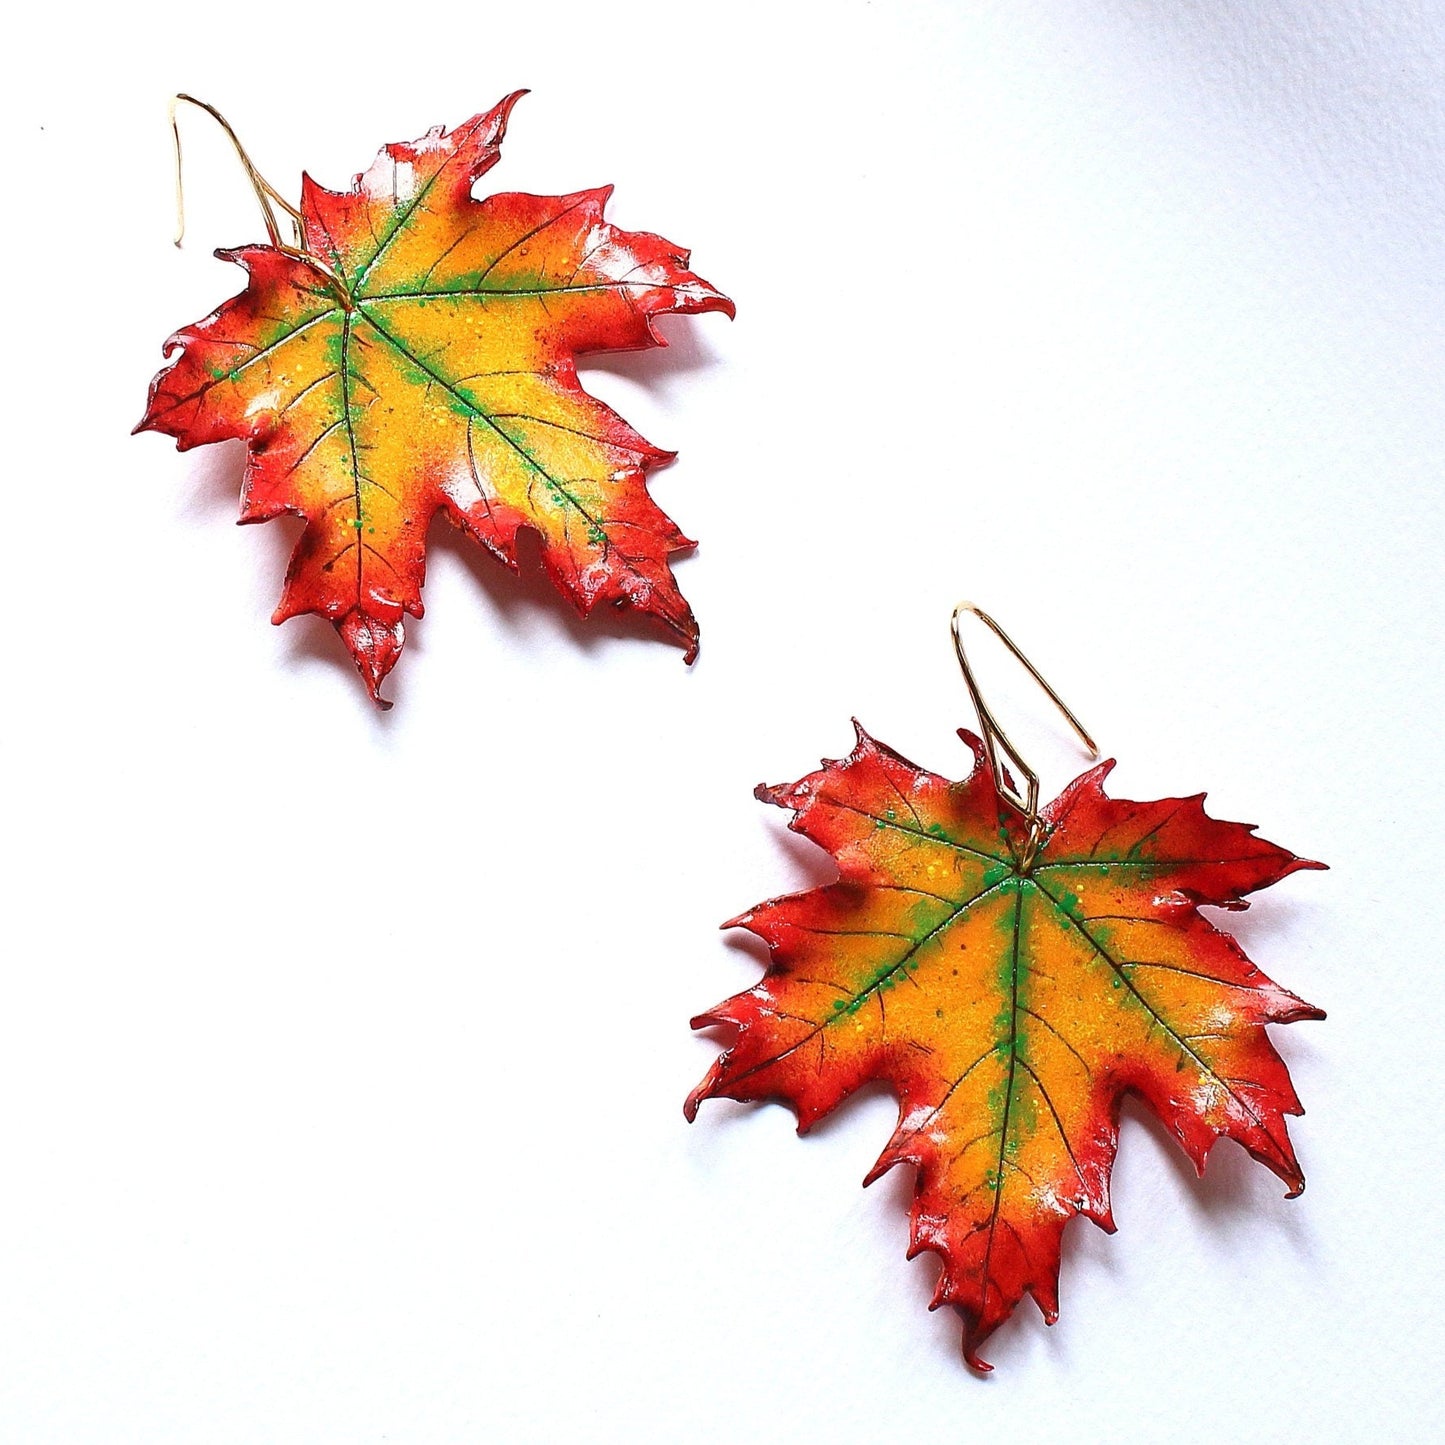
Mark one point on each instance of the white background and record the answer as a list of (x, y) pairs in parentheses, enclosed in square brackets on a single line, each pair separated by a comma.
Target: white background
[(342, 1053)]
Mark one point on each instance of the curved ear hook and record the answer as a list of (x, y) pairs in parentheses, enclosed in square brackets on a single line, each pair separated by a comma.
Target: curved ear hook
[(266, 193), (995, 740)]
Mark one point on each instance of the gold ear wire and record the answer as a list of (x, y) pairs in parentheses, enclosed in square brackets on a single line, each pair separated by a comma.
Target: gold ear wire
[(266, 193), (996, 741)]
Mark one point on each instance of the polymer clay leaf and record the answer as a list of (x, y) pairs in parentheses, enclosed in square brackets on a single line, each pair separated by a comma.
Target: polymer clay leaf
[(1011, 1007), (416, 355)]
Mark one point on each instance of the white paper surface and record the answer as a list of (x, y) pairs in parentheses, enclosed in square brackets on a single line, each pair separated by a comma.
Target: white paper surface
[(342, 1054)]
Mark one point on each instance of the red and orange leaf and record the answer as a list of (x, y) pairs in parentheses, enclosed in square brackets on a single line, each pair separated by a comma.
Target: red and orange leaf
[(1010, 1008), (417, 356)]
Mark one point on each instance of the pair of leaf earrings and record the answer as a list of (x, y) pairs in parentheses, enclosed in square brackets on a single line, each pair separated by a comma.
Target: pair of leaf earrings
[(1010, 971)]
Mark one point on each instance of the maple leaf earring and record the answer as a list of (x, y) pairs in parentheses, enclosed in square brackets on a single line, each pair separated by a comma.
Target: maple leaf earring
[(1011, 971), (413, 352)]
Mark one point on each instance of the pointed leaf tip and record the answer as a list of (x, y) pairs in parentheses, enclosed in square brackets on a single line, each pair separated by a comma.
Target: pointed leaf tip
[(375, 645)]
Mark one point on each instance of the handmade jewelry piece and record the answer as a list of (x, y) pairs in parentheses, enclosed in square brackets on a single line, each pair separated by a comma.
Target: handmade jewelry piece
[(413, 352), (1011, 971)]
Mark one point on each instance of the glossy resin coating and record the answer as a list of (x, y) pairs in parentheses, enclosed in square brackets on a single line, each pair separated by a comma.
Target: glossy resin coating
[(418, 356), (1011, 1009)]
